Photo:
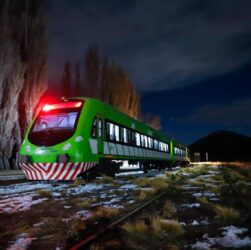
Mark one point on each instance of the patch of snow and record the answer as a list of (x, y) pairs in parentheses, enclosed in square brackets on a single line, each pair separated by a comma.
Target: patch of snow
[(208, 194), (38, 224), (214, 199), (128, 186), (189, 187), (229, 239), (195, 223), (130, 173), (55, 194), (21, 243), (191, 205), (20, 203), (161, 175), (201, 245), (131, 202), (67, 207), (84, 214), (204, 222), (23, 187)]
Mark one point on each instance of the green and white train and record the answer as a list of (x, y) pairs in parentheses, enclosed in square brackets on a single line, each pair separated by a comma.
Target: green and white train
[(84, 136)]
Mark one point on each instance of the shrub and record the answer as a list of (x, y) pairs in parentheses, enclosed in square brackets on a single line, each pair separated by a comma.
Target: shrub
[(108, 212), (44, 193), (142, 182), (213, 189), (169, 209), (138, 227), (84, 204), (77, 182), (226, 214), (106, 179), (145, 194), (158, 183), (170, 227), (204, 201)]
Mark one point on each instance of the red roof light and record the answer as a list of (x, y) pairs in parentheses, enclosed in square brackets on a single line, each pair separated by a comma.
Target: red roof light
[(63, 105)]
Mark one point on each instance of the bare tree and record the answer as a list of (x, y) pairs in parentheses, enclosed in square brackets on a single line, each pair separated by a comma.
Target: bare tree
[(22, 71), (77, 80), (66, 79), (151, 120)]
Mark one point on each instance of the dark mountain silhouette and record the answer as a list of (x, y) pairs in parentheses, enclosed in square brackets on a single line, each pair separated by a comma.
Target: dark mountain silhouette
[(223, 146)]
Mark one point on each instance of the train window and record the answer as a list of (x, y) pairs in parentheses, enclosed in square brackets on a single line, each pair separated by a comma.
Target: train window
[(128, 135), (150, 142), (156, 145), (94, 128), (133, 138), (100, 128), (137, 136), (161, 146), (124, 135), (144, 140), (110, 131), (116, 132)]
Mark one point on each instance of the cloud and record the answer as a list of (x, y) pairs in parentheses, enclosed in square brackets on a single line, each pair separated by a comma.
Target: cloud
[(232, 114), (162, 45)]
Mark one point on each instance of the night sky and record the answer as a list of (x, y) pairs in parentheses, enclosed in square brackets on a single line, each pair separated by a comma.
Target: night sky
[(189, 60)]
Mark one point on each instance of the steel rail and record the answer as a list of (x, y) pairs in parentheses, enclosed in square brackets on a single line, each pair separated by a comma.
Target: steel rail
[(105, 229)]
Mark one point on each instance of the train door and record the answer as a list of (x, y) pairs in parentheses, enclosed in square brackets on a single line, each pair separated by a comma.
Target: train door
[(100, 130)]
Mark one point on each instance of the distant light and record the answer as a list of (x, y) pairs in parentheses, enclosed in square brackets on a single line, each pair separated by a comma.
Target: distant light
[(49, 107)]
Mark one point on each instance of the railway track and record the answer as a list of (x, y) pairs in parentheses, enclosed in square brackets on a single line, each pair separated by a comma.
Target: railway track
[(108, 228)]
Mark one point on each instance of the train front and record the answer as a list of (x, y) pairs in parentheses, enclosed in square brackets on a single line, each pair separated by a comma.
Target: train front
[(52, 146)]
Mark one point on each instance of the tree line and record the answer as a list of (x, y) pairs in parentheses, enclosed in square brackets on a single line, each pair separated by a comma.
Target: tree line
[(23, 55), (23, 78), (103, 80)]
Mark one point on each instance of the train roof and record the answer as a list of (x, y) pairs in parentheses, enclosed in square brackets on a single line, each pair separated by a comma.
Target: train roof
[(125, 116)]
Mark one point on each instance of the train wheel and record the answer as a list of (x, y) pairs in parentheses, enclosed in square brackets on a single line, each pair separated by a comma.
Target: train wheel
[(91, 174)]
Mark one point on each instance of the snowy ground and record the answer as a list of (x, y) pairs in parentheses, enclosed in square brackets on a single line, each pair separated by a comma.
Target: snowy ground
[(27, 198)]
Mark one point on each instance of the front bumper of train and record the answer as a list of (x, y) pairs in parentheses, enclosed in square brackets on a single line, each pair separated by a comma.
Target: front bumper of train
[(55, 171)]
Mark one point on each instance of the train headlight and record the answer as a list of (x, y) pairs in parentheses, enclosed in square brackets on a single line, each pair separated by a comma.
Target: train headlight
[(24, 159), (63, 158)]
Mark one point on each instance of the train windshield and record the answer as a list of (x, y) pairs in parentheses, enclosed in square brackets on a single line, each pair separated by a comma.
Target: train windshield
[(55, 121), (55, 124)]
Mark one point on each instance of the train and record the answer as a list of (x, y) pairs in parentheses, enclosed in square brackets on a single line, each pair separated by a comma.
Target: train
[(86, 137)]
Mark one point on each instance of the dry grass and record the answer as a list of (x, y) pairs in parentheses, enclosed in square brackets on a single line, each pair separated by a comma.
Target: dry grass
[(158, 183), (172, 228), (204, 201), (115, 184), (196, 183), (235, 175), (106, 179), (156, 225), (216, 178), (77, 182), (74, 226), (161, 227), (108, 212), (128, 177), (138, 227), (213, 189), (84, 204), (142, 182), (169, 209), (196, 170), (44, 193), (145, 194), (225, 213)]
